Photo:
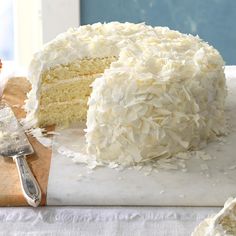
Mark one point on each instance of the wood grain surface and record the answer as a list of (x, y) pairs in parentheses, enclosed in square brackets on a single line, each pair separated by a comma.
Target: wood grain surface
[(10, 191)]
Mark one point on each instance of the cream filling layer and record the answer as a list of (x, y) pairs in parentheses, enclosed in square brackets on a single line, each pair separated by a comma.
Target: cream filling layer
[(46, 87)]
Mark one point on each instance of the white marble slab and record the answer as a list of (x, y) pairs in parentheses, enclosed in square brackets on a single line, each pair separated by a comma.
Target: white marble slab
[(73, 184)]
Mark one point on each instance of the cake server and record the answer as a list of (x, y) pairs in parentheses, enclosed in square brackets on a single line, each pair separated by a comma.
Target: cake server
[(15, 144)]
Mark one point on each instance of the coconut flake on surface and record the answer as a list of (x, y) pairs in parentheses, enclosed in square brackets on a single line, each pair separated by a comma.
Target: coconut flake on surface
[(183, 155), (53, 133), (162, 191), (40, 135), (204, 166), (78, 157), (233, 167)]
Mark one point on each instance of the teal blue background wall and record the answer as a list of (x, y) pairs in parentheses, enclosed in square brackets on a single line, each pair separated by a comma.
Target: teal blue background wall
[(213, 20)]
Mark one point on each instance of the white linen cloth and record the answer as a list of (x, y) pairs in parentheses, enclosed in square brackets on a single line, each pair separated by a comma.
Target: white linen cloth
[(105, 221)]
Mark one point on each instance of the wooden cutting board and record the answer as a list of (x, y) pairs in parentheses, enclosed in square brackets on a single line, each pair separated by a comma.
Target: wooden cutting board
[(10, 191)]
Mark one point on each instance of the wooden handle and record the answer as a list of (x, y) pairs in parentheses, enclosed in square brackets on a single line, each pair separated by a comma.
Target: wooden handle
[(29, 185)]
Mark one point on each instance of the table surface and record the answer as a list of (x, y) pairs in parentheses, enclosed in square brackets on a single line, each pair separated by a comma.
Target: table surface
[(104, 220)]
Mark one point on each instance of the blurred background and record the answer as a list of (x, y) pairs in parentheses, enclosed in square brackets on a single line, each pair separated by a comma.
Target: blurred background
[(27, 24)]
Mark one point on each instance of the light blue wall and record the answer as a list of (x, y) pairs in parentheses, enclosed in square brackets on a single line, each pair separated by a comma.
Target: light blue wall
[(213, 20)]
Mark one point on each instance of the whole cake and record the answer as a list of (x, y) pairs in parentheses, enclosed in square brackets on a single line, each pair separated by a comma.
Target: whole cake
[(222, 224), (144, 92)]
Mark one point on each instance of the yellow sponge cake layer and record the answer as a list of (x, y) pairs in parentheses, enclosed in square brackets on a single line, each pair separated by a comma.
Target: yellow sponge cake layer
[(65, 90), (62, 114), (77, 68)]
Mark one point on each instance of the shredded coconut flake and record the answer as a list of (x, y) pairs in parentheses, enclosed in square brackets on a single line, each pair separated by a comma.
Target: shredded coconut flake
[(204, 166), (233, 167)]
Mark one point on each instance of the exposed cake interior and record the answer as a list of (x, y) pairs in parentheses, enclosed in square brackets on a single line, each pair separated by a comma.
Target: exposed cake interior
[(65, 90), (228, 221)]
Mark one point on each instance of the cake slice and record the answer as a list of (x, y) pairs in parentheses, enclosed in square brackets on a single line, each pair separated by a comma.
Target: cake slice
[(222, 224)]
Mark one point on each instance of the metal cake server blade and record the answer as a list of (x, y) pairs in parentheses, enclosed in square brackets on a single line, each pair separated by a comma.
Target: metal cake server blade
[(15, 144)]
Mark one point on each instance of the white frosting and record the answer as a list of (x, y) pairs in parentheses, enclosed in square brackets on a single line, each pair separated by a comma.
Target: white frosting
[(213, 227), (164, 94)]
